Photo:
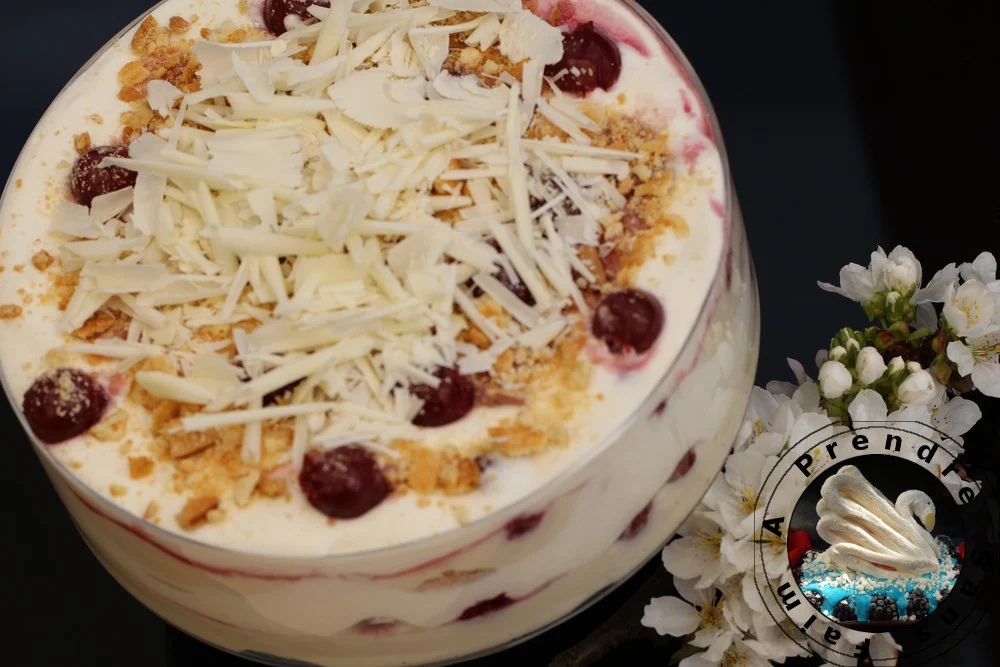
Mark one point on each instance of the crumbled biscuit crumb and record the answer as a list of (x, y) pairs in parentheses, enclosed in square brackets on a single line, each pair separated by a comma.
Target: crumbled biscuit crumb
[(196, 511), (140, 466), (151, 510), (19, 268), (244, 487), (42, 260), (96, 119), (272, 485), (81, 142), (178, 24), (117, 490), (9, 311), (111, 428)]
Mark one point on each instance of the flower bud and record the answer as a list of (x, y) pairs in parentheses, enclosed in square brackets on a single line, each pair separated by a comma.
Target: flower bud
[(870, 366), (852, 344), (919, 388), (834, 379), (896, 364), (902, 274), (913, 366), (892, 297), (838, 353)]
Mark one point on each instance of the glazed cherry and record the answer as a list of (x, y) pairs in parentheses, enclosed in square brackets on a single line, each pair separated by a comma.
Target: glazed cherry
[(448, 402), (275, 12), (343, 483), (628, 320), (89, 179), (590, 60), (63, 403)]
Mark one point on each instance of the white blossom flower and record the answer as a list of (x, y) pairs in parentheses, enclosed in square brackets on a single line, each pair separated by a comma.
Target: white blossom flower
[(870, 366), (983, 269), (746, 553), (735, 493), (767, 423), (788, 388), (919, 388), (980, 358), (697, 610), (838, 353), (972, 309), (868, 406), (775, 631), (899, 271), (742, 652), (834, 379), (696, 554), (953, 417)]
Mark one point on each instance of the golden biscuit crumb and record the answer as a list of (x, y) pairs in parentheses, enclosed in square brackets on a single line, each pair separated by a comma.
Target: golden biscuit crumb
[(196, 511), (151, 509), (81, 142), (178, 24), (10, 311), (117, 490), (139, 466), (42, 260), (111, 428)]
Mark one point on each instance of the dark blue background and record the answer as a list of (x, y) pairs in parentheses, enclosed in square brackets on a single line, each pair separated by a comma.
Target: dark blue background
[(848, 124)]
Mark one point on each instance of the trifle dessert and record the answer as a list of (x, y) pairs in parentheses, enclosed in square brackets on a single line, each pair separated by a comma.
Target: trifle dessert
[(883, 564), (352, 323)]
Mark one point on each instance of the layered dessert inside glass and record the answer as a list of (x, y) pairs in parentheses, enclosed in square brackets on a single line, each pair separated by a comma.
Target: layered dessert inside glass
[(291, 280)]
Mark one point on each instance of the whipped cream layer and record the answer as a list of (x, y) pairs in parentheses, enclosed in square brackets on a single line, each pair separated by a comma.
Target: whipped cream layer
[(678, 272)]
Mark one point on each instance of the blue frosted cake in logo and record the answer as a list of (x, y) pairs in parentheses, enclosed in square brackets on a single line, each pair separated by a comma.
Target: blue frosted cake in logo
[(883, 564)]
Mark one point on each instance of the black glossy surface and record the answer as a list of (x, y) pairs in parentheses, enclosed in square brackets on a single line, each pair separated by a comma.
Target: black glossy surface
[(838, 118)]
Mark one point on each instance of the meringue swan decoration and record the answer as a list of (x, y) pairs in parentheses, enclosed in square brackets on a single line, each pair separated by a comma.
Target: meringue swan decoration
[(869, 534)]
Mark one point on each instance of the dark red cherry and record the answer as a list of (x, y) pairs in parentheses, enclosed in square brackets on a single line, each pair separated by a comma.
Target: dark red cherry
[(520, 526), (628, 320), (343, 483), (275, 12), (63, 403), (590, 60), (88, 179), (487, 607), (448, 402)]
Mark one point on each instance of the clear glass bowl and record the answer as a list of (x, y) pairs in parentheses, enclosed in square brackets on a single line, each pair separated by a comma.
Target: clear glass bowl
[(472, 590)]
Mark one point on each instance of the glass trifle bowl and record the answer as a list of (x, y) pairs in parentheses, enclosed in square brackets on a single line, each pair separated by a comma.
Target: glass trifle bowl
[(377, 333)]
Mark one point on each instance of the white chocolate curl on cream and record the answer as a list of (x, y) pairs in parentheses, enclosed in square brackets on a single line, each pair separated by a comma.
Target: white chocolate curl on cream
[(868, 534)]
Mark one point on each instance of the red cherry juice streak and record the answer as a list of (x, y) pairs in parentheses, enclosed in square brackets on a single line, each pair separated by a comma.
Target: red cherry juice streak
[(520, 526), (495, 604), (457, 552), (684, 467), (637, 525)]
